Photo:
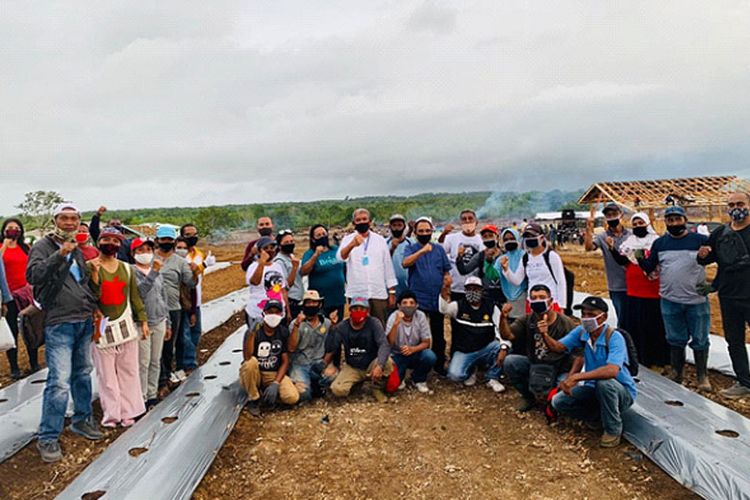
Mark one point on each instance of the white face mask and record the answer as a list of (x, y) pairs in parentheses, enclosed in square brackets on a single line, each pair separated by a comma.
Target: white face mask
[(145, 259), (591, 324), (272, 320), (182, 252)]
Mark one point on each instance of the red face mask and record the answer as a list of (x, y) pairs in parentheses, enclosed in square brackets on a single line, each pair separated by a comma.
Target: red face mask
[(82, 237), (358, 317)]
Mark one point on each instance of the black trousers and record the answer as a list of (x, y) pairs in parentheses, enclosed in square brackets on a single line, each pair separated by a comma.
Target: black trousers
[(12, 354), (735, 314), (437, 328), (168, 353)]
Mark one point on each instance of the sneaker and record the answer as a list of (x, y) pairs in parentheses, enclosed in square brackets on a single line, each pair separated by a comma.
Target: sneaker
[(525, 405), (151, 404), (379, 395), (496, 386), (254, 408), (402, 385), (471, 380), (422, 387), (49, 451), (87, 430), (181, 375), (737, 391), (608, 441)]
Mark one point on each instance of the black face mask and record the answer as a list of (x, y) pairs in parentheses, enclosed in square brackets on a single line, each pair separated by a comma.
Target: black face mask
[(310, 311), (362, 227), (613, 223), (640, 231), (321, 242), (397, 233), (109, 249), (676, 230), (191, 241), (166, 247), (531, 242), (424, 238), (511, 245), (265, 231), (490, 243), (289, 248)]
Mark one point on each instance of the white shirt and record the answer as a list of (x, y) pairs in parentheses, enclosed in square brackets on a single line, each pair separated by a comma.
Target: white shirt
[(271, 287), (538, 273), (472, 245), (369, 268)]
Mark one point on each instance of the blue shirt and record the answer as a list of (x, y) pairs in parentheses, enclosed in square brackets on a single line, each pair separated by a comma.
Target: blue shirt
[(596, 358), (327, 277), (402, 275), (426, 275)]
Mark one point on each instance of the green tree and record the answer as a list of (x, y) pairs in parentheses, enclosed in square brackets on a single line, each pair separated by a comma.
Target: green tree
[(37, 206)]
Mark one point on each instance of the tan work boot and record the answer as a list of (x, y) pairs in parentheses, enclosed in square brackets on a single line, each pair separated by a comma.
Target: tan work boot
[(608, 441)]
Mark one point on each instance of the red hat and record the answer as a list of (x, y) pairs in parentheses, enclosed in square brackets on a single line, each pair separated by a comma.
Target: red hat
[(139, 242), (489, 227)]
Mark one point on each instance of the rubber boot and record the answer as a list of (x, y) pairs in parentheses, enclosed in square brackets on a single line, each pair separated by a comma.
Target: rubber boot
[(677, 360), (701, 366)]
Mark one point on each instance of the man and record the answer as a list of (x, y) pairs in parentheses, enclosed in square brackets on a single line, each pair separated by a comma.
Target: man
[(369, 268), (684, 305), (728, 246), (264, 226), (473, 340), (461, 245), (482, 264), (265, 280), (95, 228), (311, 328), (60, 277), (428, 267), (528, 330), (397, 244), (366, 352), (409, 337), (191, 333), (608, 388), (266, 361), (614, 234)]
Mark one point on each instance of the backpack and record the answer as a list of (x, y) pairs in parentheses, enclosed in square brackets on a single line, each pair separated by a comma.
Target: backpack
[(570, 278), (632, 362)]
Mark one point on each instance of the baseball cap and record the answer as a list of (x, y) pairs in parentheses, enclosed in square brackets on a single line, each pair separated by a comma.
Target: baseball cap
[(359, 301), (139, 242), (166, 232), (473, 280), (273, 304), (395, 217), (489, 228), (593, 302), (264, 241), (533, 229), (611, 207), (65, 207), (675, 210)]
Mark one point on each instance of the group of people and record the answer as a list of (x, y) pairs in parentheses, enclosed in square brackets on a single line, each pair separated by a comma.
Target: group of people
[(133, 306)]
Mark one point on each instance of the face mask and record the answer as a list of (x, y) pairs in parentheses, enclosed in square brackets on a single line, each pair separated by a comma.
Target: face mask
[(265, 231), (321, 242), (408, 310), (531, 242), (191, 241), (82, 238), (490, 243), (590, 324), (166, 247), (272, 320), (613, 223), (12, 234), (182, 252), (511, 246), (144, 259), (474, 296), (311, 311), (424, 238), (63, 235), (739, 214), (362, 227), (640, 231), (287, 248), (469, 227), (397, 233), (359, 316), (109, 249), (539, 306), (676, 230)]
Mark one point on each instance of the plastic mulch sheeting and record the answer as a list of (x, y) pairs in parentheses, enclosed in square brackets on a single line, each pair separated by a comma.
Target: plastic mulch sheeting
[(718, 355), (167, 453), (702, 445)]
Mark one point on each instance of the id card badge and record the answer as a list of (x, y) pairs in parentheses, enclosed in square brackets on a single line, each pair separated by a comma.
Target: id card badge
[(366, 260)]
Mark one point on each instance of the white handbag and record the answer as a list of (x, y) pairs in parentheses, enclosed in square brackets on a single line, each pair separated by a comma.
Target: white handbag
[(7, 341)]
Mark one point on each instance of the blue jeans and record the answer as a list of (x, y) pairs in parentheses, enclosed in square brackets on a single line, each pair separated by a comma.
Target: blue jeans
[(607, 400), (309, 379), (68, 356), (618, 300), (463, 363), (685, 322), (421, 362), (191, 335)]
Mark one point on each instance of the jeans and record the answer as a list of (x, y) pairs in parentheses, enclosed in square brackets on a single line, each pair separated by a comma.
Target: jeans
[(618, 300), (421, 362), (462, 363), (68, 356), (609, 398), (735, 314), (309, 379), (517, 369), (191, 335), (685, 322)]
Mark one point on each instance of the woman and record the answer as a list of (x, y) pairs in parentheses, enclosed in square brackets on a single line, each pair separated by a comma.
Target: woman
[(84, 242), (115, 350), (642, 311), (507, 264), (290, 264), (325, 273), (15, 255)]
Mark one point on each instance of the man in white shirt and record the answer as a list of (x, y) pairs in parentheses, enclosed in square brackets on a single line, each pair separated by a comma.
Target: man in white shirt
[(369, 268), (463, 245)]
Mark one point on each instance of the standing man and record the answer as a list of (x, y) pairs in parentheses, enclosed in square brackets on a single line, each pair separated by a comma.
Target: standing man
[(614, 234), (57, 270), (369, 268), (264, 227), (462, 245), (397, 244), (728, 246)]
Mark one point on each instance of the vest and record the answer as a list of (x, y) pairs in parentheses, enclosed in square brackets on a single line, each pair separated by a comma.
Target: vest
[(474, 327)]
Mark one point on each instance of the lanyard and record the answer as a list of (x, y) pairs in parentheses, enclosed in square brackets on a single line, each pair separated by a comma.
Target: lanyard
[(367, 243)]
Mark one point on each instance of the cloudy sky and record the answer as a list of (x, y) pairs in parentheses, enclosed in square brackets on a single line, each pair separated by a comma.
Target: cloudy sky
[(195, 103)]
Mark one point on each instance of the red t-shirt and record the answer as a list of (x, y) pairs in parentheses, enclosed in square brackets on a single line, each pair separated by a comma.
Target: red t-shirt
[(638, 284), (15, 261)]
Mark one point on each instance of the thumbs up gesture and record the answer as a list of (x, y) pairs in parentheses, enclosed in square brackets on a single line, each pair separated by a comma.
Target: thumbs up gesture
[(210, 259)]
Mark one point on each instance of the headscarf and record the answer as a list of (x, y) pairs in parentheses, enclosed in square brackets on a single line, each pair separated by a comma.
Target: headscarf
[(633, 243), (512, 292)]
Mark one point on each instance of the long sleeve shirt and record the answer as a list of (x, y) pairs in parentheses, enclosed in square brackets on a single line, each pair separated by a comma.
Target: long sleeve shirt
[(4, 290), (679, 271), (369, 268), (537, 272), (154, 296), (116, 291), (176, 271)]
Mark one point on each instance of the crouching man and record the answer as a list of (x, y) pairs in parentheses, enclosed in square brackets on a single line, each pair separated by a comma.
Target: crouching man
[(608, 388), (266, 361), (366, 351)]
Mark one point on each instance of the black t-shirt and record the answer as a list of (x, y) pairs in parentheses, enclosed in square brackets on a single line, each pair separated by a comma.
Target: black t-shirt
[(525, 330), (733, 279), (268, 349), (360, 346)]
